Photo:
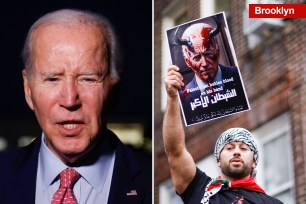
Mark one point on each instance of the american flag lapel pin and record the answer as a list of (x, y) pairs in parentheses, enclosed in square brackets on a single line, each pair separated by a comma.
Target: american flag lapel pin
[(132, 193)]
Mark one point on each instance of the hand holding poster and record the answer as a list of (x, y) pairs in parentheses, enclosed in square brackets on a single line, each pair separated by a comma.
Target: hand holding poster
[(204, 52)]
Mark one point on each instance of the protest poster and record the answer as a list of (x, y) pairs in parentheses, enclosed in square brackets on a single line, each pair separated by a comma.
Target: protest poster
[(204, 52)]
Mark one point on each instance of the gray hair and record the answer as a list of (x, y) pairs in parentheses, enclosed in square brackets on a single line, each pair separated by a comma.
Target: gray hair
[(71, 17)]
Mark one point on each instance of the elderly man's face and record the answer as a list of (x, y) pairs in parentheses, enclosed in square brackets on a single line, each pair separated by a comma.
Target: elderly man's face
[(236, 160), (67, 88), (203, 60)]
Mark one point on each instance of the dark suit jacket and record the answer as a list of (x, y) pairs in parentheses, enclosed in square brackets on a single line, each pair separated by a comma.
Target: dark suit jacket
[(214, 110), (132, 171)]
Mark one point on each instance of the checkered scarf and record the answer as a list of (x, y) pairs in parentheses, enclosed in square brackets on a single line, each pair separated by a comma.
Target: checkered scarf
[(215, 185), (236, 135)]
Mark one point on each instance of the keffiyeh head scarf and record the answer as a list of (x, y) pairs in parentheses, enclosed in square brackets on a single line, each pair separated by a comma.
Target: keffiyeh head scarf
[(215, 185), (236, 135)]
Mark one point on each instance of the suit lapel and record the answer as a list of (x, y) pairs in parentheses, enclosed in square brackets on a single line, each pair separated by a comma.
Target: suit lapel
[(125, 187), (127, 180)]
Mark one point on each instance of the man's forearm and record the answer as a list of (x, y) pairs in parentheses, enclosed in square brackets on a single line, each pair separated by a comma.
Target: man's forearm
[(173, 131)]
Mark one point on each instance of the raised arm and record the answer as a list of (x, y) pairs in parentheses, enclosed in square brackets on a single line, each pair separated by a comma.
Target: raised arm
[(181, 163)]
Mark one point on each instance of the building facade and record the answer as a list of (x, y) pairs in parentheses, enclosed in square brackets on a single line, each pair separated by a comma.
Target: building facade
[(271, 58)]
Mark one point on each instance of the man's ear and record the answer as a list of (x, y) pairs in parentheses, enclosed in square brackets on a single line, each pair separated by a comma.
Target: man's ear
[(218, 163), (254, 164), (27, 89)]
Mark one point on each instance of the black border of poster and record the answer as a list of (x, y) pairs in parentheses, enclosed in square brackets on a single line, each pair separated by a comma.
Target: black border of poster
[(224, 97)]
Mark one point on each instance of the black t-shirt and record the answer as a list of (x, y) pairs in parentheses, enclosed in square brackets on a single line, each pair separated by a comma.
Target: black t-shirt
[(195, 192)]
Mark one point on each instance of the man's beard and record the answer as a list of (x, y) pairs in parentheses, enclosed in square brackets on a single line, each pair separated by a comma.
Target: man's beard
[(235, 172)]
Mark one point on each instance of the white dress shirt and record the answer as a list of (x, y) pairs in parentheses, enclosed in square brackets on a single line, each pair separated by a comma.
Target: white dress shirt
[(93, 186)]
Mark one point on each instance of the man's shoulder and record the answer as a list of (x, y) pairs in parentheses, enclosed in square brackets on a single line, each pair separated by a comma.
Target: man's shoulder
[(192, 83), (133, 168), (10, 154), (17, 156), (7, 156), (142, 157), (195, 190), (272, 200), (259, 197), (229, 72), (228, 69), (190, 91), (131, 155)]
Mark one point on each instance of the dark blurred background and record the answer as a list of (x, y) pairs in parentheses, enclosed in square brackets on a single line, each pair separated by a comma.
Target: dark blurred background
[(132, 22)]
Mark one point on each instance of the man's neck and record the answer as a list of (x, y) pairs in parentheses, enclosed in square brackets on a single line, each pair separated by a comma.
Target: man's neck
[(230, 179)]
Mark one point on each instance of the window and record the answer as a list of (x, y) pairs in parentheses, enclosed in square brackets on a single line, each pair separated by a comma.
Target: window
[(167, 194), (258, 28), (209, 166), (173, 15), (210, 7), (275, 175)]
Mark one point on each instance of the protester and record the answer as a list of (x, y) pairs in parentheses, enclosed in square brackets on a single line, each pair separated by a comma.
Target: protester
[(236, 153)]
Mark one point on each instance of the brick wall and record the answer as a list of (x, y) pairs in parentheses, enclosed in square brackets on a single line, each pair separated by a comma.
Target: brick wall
[(296, 65), (159, 161)]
